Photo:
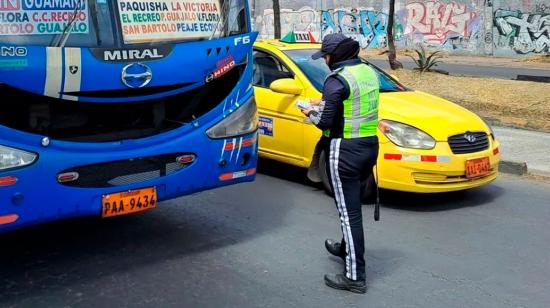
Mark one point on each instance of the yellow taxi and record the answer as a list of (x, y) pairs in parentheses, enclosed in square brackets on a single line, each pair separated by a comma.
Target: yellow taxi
[(427, 144)]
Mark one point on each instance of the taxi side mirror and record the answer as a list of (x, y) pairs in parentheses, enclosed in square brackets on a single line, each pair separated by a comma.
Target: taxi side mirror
[(286, 86), (394, 77)]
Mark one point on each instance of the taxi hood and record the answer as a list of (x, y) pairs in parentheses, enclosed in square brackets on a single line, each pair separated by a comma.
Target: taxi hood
[(436, 116)]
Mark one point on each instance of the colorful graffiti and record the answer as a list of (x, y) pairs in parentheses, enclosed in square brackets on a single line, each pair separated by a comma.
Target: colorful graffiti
[(437, 22), (367, 27), (542, 8), (304, 19), (523, 32), (473, 26)]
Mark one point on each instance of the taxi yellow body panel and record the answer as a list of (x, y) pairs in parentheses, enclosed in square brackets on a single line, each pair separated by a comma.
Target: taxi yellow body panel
[(294, 138)]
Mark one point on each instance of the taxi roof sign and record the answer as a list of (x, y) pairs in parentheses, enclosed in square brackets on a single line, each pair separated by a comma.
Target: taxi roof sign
[(298, 37)]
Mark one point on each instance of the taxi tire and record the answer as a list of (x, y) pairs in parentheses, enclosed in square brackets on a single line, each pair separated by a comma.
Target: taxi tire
[(368, 186)]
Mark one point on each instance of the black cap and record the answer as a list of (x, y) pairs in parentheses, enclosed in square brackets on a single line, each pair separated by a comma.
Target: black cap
[(330, 42)]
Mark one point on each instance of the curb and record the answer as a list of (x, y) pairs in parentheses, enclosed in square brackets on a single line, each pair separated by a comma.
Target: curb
[(533, 78), (512, 167), (520, 169), (539, 174)]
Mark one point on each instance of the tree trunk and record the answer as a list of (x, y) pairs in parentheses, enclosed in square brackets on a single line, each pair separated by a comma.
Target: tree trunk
[(392, 55), (277, 19)]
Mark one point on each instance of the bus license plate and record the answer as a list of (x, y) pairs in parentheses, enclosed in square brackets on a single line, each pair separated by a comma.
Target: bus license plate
[(477, 167), (128, 202)]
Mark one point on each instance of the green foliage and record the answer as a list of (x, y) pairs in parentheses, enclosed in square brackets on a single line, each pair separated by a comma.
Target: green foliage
[(423, 63)]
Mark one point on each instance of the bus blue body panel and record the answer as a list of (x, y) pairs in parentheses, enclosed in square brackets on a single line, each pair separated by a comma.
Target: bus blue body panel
[(185, 63), (38, 197)]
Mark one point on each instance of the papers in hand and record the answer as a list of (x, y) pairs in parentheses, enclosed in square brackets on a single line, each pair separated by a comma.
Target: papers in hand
[(303, 105)]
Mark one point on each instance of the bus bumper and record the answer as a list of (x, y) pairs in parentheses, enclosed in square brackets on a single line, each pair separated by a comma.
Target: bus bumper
[(37, 195)]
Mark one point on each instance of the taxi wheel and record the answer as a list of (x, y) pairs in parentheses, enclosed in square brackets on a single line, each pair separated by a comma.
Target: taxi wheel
[(368, 186)]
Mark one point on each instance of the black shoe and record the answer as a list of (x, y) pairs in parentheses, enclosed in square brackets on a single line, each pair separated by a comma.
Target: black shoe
[(334, 249), (341, 282)]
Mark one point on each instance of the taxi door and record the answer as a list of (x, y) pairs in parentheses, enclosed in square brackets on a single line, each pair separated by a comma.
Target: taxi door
[(281, 124)]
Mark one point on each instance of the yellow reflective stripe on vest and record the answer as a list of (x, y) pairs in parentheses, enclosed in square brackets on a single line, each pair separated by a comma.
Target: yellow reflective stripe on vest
[(353, 109), (361, 107)]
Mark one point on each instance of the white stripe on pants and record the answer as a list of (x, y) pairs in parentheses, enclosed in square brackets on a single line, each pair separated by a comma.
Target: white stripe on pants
[(351, 266)]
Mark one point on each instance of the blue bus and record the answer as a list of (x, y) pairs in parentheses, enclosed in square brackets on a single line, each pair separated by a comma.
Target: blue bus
[(107, 107)]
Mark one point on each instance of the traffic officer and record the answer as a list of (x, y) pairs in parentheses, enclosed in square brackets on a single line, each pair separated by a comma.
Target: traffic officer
[(348, 116)]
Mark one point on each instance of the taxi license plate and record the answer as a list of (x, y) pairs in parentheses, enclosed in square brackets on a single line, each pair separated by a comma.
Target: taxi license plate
[(128, 202), (477, 167)]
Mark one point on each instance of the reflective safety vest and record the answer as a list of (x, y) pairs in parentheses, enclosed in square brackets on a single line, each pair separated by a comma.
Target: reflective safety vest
[(361, 107)]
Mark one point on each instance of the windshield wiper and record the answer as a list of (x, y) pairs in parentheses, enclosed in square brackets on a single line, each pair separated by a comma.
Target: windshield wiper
[(64, 36), (93, 8), (224, 14)]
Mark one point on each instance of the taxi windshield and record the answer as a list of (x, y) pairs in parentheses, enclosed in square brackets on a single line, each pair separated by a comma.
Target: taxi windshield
[(316, 71), (103, 23)]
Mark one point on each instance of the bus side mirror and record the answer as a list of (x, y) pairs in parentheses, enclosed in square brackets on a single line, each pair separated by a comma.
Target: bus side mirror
[(394, 77), (286, 86)]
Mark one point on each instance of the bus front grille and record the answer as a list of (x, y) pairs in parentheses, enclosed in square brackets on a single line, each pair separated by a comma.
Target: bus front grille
[(126, 172)]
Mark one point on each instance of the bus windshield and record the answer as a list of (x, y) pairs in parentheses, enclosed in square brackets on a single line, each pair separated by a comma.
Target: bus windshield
[(102, 23)]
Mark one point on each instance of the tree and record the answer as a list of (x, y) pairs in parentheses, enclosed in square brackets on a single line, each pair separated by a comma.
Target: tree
[(392, 55), (277, 19)]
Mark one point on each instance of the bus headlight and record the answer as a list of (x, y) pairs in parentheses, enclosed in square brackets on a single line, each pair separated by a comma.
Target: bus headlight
[(405, 135), (14, 158), (243, 121)]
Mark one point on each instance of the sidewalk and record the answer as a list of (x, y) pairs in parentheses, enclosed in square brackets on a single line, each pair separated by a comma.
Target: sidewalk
[(522, 146)]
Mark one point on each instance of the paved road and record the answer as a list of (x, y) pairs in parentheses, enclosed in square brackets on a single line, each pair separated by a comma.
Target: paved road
[(471, 70), (260, 245)]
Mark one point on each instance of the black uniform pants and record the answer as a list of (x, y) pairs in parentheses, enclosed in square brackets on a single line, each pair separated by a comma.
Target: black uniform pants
[(350, 162)]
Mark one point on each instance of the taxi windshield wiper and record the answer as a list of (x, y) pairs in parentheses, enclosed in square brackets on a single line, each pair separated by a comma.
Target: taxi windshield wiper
[(61, 40)]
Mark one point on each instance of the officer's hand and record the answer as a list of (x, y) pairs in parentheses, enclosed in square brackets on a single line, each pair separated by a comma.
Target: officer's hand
[(307, 111), (315, 102)]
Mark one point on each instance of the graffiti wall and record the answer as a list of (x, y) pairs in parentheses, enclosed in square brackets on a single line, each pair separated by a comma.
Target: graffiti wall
[(367, 26), (304, 19), (522, 32), (490, 27), (434, 23)]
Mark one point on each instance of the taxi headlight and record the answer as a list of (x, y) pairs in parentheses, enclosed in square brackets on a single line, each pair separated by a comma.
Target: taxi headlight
[(14, 158), (405, 135), (242, 121)]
